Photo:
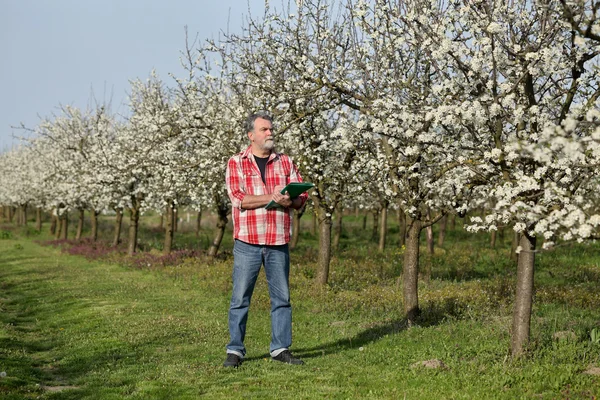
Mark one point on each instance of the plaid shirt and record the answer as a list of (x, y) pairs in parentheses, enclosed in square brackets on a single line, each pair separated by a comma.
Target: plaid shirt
[(260, 226)]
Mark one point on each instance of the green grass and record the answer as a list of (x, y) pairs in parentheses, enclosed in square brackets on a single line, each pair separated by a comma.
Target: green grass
[(72, 328)]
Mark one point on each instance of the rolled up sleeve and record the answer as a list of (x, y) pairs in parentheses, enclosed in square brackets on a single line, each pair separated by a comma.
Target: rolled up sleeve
[(233, 180)]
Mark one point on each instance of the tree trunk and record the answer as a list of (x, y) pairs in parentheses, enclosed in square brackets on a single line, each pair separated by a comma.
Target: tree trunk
[(513, 247), (161, 223), (221, 224), (11, 214), (24, 215), (401, 227), (18, 219), (295, 230), (324, 247), (364, 222), (38, 219), (65, 226), (442, 232), (80, 224), (337, 227), (430, 244), (170, 229), (493, 236), (453, 221), (501, 234), (134, 218), (118, 221), (17, 216), (383, 227), (175, 218), (524, 296), (198, 221), (410, 275), (94, 217), (59, 226), (53, 223), (375, 232), (296, 227)]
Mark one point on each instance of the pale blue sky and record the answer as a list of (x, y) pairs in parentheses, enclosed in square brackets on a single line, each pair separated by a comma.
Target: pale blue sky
[(56, 52)]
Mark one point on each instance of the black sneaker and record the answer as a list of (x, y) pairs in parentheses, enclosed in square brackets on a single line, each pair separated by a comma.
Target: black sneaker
[(287, 357), (232, 361)]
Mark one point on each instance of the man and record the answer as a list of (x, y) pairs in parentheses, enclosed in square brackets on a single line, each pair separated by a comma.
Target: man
[(254, 178)]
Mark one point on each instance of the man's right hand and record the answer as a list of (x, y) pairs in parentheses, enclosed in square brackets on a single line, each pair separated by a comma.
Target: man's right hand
[(283, 200)]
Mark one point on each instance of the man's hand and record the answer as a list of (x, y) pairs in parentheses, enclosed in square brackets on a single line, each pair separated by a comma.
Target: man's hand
[(281, 199)]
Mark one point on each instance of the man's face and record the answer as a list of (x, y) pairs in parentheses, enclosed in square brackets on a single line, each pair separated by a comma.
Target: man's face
[(262, 135)]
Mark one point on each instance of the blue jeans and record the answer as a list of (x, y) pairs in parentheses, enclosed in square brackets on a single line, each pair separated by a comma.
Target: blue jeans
[(247, 260)]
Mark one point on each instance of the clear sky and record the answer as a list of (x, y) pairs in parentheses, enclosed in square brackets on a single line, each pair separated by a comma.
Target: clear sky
[(63, 52)]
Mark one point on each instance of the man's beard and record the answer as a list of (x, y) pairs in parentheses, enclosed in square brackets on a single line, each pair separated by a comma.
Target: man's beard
[(268, 145)]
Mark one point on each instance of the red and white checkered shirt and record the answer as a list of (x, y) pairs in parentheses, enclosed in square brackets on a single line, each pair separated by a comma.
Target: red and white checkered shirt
[(260, 226)]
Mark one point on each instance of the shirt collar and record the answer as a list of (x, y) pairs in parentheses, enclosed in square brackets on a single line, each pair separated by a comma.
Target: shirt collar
[(248, 152)]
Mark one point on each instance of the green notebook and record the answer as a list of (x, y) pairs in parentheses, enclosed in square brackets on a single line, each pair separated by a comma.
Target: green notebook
[(294, 189)]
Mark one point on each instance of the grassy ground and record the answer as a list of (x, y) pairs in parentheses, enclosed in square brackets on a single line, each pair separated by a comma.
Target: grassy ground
[(73, 328)]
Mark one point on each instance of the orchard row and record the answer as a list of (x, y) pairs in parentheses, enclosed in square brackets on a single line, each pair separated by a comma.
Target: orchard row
[(431, 107)]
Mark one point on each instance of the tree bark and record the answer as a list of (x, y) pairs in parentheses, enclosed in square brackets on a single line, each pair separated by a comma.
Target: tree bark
[(383, 227), (198, 223), (134, 218), (161, 223), (442, 232), (324, 248), (337, 227), (513, 247), (53, 223), (375, 232), (453, 221), (94, 217), (38, 219), (65, 226), (221, 224), (17, 216), (170, 228), (59, 226), (118, 221), (429, 233), (24, 215), (524, 296), (81, 215), (296, 227), (401, 227), (410, 274), (493, 236), (175, 218)]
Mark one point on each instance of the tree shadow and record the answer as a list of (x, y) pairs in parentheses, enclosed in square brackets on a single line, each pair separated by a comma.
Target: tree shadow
[(432, 316), (369, 335)]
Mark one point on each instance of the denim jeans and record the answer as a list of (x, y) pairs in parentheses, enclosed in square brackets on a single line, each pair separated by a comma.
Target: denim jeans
[(247, 260)]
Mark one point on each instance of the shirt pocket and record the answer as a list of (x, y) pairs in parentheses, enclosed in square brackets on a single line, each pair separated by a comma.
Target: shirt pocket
[(252, 180), (281, 177)]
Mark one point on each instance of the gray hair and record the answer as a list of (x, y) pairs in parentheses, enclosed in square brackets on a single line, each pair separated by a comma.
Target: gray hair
[(249, 125)]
